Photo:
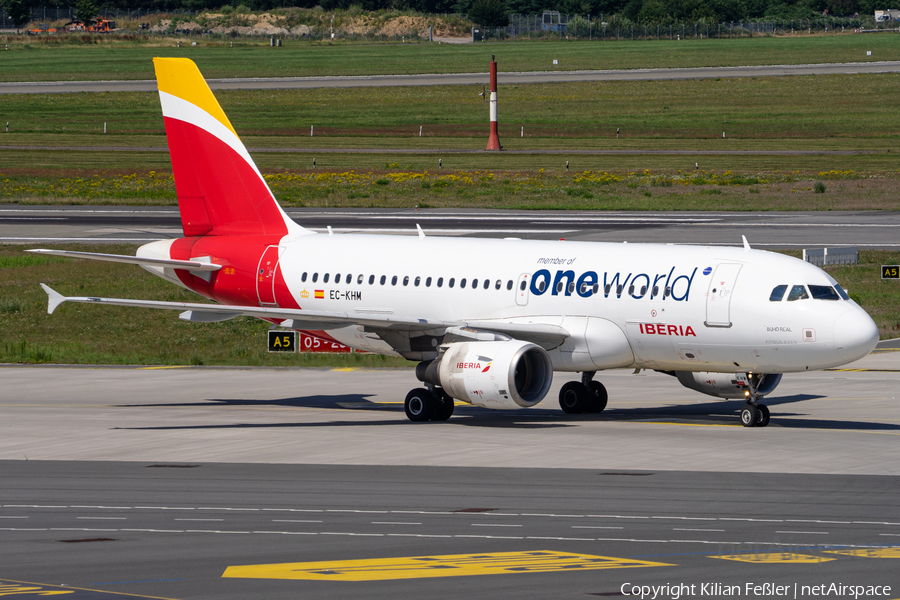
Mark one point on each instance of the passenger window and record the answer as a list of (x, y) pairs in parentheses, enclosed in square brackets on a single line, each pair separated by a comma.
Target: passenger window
[(315, 277), (405, 280), (823, 292), (798, 292), (487, 284), (325, 278), (498, 284), (619, 290), (371, 279), (667, 292), (521, 286), (778, 293), (418, 281), (643, 290), (359, 279), (655, 291), (383, 279), (571, 286), (596, 288), (583, 288), (349, 278), (428, 282), (509, 285), (559, 287), (606, 288), (451, 282), (462, 282), (542, 286), (630, 290), (841, 291), (394, 280), (440, 282), (337, 278), (303, 277), (474, 284)]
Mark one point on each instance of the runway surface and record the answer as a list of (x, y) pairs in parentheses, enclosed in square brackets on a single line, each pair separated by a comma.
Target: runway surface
[(768, 230), (173, 483), (505, 78)]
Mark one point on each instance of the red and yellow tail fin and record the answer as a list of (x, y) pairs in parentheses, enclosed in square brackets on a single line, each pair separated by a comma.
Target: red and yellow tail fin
[(220, 190)]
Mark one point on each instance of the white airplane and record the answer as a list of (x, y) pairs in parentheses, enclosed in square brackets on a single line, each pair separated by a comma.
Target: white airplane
[(489, 320)]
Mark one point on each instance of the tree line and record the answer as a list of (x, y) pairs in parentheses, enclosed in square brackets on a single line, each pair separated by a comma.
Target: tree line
[(495, 12)]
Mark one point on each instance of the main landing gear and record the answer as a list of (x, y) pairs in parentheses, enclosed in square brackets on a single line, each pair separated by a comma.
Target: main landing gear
[(428, 405), (754, 414), (585, 396)]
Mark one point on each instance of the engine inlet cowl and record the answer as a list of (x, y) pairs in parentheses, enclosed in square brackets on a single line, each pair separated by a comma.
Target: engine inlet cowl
[(502, 375)]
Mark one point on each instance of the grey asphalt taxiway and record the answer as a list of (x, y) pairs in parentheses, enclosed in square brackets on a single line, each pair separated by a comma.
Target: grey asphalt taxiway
[(240, 483), (430, 79), (767, 230)]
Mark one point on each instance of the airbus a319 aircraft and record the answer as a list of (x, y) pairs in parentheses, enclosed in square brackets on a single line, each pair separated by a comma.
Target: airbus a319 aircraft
[(489, 320)]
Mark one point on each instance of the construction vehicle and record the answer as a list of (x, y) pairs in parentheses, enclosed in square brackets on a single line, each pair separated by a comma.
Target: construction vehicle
[(97, 26)]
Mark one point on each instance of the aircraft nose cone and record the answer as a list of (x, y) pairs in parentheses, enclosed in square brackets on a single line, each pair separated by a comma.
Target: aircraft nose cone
[(855, 335)]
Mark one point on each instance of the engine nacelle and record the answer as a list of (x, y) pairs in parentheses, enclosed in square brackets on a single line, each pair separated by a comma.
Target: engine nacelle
[(505, 374), (728, 385)]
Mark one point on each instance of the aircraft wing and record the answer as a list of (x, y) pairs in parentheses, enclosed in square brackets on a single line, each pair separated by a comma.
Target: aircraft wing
[(312, 319), (548, 336)]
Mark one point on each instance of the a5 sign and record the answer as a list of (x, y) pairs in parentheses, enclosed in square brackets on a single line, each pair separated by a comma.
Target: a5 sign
[(890, 271)]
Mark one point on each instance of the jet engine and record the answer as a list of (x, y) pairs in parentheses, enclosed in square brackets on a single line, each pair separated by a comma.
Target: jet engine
[(501, 374), (729, 385)]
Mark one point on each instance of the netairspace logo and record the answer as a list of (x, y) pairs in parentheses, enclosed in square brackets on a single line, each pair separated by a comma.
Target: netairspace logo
[(674, 591)]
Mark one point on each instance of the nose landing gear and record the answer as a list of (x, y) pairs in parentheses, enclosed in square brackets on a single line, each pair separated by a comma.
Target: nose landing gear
[(585, 396), (754, 414)]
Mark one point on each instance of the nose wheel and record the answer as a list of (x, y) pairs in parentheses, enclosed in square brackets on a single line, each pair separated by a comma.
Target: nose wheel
[(754, 414)]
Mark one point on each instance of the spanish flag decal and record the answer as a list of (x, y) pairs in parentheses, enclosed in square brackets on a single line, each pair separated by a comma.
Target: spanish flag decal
[(320, 294)]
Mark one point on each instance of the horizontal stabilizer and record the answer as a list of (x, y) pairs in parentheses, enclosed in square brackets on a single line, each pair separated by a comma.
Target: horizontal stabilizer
[(189, 265)]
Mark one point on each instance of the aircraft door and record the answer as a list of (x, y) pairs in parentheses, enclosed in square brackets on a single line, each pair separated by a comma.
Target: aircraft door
[(522, 290), (718, 298), (265, 276)]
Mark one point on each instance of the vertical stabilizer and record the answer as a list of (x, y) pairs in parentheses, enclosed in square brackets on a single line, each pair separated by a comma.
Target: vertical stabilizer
[(220, 190)]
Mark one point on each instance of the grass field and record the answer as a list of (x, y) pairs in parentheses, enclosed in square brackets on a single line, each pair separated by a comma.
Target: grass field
[(854, 114), (32, 59), (85, 334), (774, 110)]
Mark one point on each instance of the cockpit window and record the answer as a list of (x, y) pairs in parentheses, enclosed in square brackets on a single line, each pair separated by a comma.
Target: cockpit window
[(841, 291), (823, 292), (778, 293), (798, 292)]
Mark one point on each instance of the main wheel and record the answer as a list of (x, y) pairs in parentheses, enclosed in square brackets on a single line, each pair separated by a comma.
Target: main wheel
[(599, 399), (749, 415), (762, 415), (574, 398), (419, 404), (443, 408)]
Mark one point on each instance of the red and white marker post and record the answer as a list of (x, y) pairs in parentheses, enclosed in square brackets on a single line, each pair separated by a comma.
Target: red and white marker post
[(494, 140)]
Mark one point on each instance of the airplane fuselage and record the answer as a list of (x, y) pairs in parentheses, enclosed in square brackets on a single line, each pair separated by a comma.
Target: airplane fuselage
[(662, 307)]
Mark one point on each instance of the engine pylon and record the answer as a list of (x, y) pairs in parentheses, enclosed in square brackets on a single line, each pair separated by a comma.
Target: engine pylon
[(494, 139)]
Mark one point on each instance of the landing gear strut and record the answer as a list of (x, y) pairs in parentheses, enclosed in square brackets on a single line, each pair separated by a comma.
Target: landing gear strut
[(428, 405), (754, 414), (585, 396)]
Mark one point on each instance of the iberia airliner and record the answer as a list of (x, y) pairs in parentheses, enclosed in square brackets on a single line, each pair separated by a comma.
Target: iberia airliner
[(488, 320)]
